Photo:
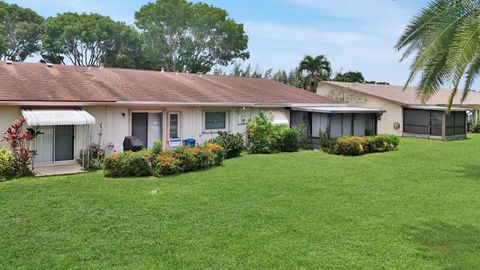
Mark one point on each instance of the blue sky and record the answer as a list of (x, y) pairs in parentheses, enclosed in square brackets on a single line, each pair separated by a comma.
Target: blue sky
[(353, 34)]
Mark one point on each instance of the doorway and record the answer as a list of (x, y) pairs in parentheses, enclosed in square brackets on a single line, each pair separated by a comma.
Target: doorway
[(147, 127), (54, 144)]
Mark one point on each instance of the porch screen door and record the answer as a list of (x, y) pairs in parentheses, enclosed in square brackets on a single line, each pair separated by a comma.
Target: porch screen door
[(63, 143)]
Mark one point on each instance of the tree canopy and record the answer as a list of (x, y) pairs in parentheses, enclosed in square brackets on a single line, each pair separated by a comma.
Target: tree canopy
[(89, 40), (19, 32), (350, 76), (445, 41), (178, 34), (316, 68)]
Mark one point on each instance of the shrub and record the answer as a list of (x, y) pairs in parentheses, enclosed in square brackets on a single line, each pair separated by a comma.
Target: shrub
[(290, 140), (265, 138), (351, 146), (185, 159), (166, 164), (327, 143), (383, 143), (217, 151), (354, 146), (128, 164), (156, 148), (259, 134), (19, 140), (475, 127), (8, 166), (233, 144)]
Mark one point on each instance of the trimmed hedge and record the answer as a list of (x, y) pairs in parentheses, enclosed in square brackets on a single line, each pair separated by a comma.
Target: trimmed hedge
[(128, 164), (159, 163), (354, 146)]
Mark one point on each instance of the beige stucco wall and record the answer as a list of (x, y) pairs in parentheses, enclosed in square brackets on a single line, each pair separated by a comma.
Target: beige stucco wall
[(8, 114), (116, 126), (393, 114)]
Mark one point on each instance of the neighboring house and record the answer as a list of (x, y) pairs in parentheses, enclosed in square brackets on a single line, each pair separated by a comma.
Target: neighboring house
[(76, 106), (405, 115)]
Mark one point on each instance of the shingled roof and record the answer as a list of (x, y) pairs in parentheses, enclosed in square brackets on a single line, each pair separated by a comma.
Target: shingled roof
[(61, 83), (409, 95)]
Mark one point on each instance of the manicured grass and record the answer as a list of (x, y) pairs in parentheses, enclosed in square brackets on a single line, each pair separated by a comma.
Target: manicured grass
[(416, 208)]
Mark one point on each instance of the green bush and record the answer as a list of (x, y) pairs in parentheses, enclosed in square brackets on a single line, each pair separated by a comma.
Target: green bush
[(182, 159), (327, 143), (475, 127), (8, 164), (157, 147), (128, 164), (185, 159), (166, 164), (233, 144), (354, 146), (260, 135), (217, 151), (289, 140), (351, 146), (383, 143), (265, 138)]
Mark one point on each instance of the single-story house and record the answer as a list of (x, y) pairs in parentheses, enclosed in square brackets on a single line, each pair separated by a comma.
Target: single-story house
[(405, 115), (76, 106)]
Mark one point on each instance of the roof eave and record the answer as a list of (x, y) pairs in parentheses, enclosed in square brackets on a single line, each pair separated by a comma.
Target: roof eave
[(224, 104)]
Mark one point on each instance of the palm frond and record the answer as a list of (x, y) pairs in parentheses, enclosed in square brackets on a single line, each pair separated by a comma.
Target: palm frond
[(446, 39)]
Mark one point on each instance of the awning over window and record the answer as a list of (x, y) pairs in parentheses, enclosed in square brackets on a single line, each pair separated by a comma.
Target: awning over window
[(279, 117), (61, 117)]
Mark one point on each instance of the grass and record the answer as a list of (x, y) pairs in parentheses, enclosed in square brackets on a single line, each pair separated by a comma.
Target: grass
[(416, 208)]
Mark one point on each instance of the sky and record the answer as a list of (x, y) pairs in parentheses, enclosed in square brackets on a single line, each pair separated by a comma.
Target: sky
[(357, 35)]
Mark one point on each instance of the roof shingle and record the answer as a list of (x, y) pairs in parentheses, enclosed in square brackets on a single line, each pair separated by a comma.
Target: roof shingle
[(60, 83), (409, 95)]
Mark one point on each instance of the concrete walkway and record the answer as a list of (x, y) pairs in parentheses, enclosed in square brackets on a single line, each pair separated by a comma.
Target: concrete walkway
[(57, 169)]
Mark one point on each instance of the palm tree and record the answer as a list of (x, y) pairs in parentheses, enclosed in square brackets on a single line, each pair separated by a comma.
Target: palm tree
[(317, 68), (445, 37)]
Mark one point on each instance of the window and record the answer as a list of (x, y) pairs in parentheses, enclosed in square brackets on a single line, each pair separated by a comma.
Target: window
[(173, 122), (215, 120)]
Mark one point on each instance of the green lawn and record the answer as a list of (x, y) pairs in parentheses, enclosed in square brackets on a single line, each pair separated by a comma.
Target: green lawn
[(416, 208)]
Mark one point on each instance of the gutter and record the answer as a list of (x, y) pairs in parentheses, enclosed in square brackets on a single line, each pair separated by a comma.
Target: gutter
[(56, 103)]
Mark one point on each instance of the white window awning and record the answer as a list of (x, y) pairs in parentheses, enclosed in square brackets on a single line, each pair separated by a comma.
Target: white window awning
[(60, 117)]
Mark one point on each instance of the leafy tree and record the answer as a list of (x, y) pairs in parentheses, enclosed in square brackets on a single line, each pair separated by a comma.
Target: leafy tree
[(295, 78), (445, 38), (19, 32), (316, 69), (351, 76), (178, 34), (89, 40)]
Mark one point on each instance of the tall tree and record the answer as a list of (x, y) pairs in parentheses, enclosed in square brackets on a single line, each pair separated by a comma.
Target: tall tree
[(19, 32), (350, 76), (198, 36), (316, 69), (88, 40), (445, 38)]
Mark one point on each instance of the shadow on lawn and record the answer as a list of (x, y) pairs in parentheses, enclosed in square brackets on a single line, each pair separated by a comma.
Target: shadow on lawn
[(450, 246), (470, 171)]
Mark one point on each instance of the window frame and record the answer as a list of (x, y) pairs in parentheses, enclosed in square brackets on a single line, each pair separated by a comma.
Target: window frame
[(179, 132), (204, 124)]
